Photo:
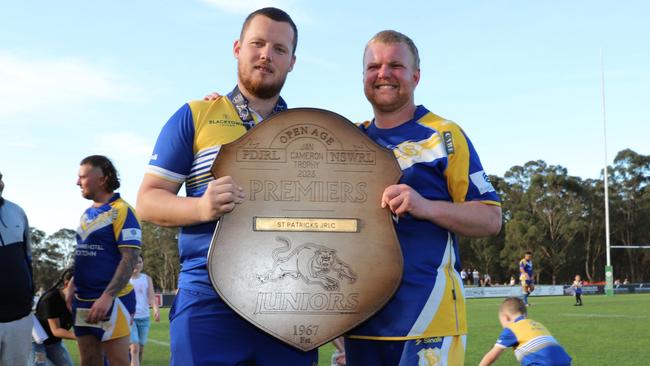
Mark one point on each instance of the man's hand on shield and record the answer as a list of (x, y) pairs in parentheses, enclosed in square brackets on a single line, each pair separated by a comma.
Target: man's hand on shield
[(220, 197), (402, 199)]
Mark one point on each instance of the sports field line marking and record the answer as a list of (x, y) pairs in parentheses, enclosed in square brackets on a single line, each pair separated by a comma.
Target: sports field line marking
[(608, 316), (160, 343)]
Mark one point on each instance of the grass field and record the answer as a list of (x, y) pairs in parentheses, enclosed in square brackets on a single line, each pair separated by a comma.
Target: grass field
[(605, 331)]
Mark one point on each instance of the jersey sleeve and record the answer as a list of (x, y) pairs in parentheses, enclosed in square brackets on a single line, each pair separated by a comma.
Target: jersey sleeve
[(126, 227), (466, 179), (173, 153), (506, 339)]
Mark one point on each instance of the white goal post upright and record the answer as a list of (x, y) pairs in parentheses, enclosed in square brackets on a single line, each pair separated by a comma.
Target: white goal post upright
[(609, 270)]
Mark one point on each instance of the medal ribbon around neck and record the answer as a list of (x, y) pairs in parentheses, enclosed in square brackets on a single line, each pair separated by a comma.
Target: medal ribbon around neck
[(241, 105)]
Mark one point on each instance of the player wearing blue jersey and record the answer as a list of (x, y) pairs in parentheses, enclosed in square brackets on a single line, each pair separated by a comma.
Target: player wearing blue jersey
[(108, 245), (532, 342), (203, 329), (526, 276), (443, 192)]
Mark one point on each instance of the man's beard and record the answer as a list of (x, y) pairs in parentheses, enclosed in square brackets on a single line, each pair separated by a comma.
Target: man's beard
[(380, 104), (259, 88)]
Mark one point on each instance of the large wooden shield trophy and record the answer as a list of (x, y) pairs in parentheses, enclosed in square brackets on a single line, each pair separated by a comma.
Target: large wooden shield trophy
[(310, 253)]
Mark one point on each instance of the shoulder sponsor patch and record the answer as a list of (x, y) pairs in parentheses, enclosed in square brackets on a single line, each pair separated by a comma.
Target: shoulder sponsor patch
[(481, 181), (449, 142), (132, 234)]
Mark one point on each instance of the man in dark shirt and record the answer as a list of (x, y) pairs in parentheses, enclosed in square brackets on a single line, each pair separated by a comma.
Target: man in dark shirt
[(16, 283)]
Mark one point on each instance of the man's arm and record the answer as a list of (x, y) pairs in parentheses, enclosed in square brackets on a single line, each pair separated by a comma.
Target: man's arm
[(151, 297), (491, 356), (121, 277), (522, 270), (57, 331), (69, 293), (472, 218), (158, 202), (27, 239)]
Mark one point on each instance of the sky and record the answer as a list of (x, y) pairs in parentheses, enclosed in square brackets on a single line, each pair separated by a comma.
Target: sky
[(522, 78)]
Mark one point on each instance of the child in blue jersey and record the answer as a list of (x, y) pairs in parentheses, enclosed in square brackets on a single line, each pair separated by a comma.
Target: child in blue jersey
[(577, 290), (532, 342)]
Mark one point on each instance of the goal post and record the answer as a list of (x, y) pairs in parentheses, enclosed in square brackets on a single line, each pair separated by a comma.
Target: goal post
[(609, 269)]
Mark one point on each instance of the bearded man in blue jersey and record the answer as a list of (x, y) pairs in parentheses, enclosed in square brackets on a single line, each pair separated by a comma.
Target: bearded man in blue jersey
[(204, 330), (443, 192), (108, 245)]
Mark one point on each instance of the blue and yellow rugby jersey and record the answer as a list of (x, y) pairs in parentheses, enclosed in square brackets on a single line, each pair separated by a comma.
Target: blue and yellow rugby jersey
[(101, 232), (533, 343), (440, 163), (527, 267), (184, 152)]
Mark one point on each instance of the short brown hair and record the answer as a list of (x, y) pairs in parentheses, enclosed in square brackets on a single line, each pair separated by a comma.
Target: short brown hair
[(390, 36), (514, 305), (275, 14)]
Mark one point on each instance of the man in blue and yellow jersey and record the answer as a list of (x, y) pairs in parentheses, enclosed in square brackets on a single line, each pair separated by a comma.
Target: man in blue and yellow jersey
[(108, 245), (526, 276), (443, 192), (204, 329), (533, 343)]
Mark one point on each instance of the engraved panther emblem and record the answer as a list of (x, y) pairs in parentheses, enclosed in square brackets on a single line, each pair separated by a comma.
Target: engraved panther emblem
[(310, 262)]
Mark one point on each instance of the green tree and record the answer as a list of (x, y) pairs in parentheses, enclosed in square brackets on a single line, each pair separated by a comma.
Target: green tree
[(590, 240), (545, 209), (65, 240), (484, 252), (630, 212), (46, 259), (160, 254)]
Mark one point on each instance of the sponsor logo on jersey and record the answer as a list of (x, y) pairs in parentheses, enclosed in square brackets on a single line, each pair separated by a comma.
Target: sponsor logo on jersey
[(131, 234), (482, 182), (449, 142)]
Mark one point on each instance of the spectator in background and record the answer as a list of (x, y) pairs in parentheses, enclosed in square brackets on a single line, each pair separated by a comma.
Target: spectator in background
[(625, 281), (16, 282), (476, 277), (55, 318), (144, 297), (512, 281), (463, 275), (487, 280)]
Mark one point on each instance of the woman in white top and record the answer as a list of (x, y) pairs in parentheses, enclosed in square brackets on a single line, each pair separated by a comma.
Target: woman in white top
[(144, 297)]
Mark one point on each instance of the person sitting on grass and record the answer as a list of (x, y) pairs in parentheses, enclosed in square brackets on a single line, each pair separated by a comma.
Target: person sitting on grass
[(532, 342)]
